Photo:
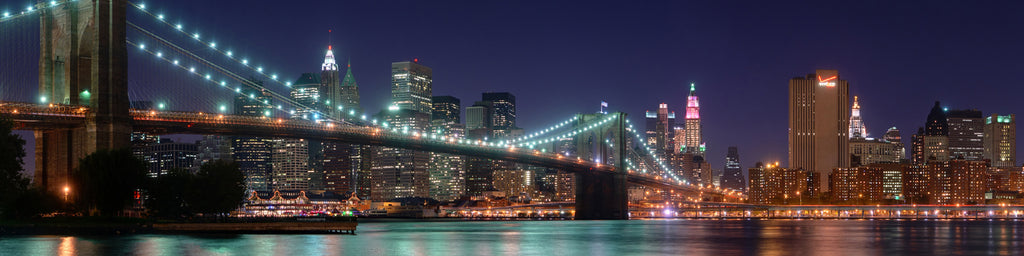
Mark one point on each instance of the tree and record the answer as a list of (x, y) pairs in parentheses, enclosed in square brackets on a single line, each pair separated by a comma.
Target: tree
[(167, 194), (107, 180), (12, 154), (219, 188)]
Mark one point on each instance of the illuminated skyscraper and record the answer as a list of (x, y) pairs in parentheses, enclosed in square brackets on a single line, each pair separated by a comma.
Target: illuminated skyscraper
[(447, 172), (819, 123), (1001, 140), (306, 91), (411, 86), (398, 172), (660, 132), (693, 141), (329, 91), (966, 134), (857, 129), (253, 154), (503, 113)]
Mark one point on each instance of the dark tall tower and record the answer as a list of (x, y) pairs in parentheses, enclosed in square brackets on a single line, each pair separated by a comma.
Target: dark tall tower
[(819, 121), (349, 92), (936, 137), (446, 109), (966, 132), (937, 124), (82, 61), (732, 175), (503, 114)]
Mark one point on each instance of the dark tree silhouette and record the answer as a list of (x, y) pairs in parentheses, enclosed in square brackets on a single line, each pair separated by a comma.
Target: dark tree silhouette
[(107, 180), (219, 188)]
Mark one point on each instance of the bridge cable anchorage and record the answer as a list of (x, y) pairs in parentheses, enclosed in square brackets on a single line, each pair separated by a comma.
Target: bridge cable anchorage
[(221, 70), (211, 44)]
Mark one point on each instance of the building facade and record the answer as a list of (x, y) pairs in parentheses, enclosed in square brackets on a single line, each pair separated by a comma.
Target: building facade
[(411, 86), (1001, 140), (966, 134), (819, 123), (732, 174)]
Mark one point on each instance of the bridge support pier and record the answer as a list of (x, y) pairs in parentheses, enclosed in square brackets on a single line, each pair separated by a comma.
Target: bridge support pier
[(603, 196), (82, 61)]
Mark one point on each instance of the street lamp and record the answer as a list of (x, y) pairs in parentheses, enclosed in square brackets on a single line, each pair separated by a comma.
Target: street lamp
[(801, 198), (66, 191)]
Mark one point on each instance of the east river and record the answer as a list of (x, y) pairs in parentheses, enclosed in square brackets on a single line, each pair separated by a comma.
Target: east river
[(591, 238)]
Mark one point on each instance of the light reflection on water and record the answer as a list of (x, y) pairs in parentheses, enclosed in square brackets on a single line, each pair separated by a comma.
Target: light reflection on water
[(590, 238)]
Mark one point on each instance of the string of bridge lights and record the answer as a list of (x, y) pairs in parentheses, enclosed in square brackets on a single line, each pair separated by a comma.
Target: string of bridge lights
[(223, 71), (317, 115), (657, 159), (546, 130), (207, 76), (211, 44), (223, 83), (573, 132), (31, 9)]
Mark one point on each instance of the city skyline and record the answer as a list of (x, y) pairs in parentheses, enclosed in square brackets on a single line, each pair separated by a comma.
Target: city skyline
[(632, 60)]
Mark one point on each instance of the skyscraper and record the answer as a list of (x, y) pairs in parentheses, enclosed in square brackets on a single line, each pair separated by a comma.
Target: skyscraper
[(857, 129), (1001, 140), (503, 114), (167, 156), (400, 172), (290, 165), (330, 89), (936, 138), (447, 172), (306, 91), (732, 176), (818, 123), (893, 136), (349, 92), (660, 132), (693, 141), (411, 86), (339, 163), (478, 120), (446, 109), (966, 132), (253, 154)]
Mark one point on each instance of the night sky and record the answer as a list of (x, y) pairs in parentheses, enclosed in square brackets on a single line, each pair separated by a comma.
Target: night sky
[(565, 58)]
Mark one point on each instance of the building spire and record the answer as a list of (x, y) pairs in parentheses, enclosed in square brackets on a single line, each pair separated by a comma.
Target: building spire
[(857, 129), (329, 63)]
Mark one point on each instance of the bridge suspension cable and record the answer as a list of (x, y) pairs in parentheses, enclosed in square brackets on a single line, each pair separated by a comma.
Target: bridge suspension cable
[(211, 44), (212, 65)]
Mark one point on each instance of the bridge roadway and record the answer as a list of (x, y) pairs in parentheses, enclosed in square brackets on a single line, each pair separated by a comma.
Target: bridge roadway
[(28, 116)]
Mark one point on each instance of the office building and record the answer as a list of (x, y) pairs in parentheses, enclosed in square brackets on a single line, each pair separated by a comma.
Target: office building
[(253, 154), (966, 134), (732, 174), (503, 113), (660, 133), (693, 142), (1000, 137), (411, 86), (397, 172), (819, 123)]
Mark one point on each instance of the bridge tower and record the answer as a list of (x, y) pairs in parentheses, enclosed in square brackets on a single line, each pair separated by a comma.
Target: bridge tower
[(602, 195), (82, 61)]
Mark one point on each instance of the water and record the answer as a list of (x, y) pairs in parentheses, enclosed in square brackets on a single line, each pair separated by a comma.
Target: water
[(591, 238)]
